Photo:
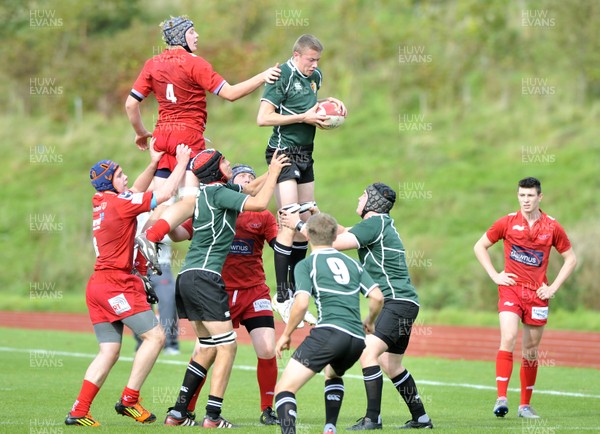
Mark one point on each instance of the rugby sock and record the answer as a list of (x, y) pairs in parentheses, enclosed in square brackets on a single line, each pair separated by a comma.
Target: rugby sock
[(282, 259), (194, 377), (405, 384), (213, 406), (334, 395), (82, 405), (285, 405), (188, 226), (504, 367), (266, 374), (192, 404), (158, 230), (373, 378), (130, 397), (299, 250), (529, 370)]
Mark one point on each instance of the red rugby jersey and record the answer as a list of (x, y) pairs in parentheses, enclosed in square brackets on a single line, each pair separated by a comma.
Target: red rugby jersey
[(526, 250), (243, 266), (179, 81), (114, 226)]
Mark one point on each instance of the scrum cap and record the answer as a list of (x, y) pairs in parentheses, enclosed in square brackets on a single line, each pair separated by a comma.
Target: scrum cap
[(242, 168), (206, 166), (174, 30), (380, 199), (102, 174)]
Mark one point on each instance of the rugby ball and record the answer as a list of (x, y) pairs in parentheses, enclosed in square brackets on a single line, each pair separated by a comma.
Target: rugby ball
[(332, 110)]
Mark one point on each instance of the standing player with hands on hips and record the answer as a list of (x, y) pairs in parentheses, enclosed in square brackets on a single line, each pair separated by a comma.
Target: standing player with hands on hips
[(529, 235), (289, 105)]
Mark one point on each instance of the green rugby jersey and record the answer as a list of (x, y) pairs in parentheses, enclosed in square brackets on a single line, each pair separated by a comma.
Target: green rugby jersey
[(292, 94), (383, 256), (217, 209), (335, 281)]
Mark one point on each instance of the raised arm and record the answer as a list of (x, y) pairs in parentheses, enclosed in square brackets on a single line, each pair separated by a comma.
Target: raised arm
[(346, 241), (254, 187), (237, 91), (142, 182), (262, 198), (169, 188)]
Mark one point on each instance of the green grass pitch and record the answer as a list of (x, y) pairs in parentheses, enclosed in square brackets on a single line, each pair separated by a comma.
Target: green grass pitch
[(41, 373)]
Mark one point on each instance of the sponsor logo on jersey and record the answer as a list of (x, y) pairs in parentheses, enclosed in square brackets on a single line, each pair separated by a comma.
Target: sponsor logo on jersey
[(544, 237), (241, 246), (525, 256), (127, 195), (508, 303), (99, 207), (297, 85), (255, 225), (137, 198), (518, 228), (96, 222)]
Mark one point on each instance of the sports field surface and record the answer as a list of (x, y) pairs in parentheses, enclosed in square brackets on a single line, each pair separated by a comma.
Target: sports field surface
[(42, 368)]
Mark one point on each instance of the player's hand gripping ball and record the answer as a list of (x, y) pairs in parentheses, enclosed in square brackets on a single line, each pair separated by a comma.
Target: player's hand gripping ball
[(332, 110)]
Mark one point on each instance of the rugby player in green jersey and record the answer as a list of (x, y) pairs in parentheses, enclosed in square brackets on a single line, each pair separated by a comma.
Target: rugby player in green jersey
[(289, 106), (200, 291), (338, 339), (383, 255)]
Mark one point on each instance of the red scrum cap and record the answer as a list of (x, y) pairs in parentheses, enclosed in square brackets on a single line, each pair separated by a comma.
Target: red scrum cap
[(206, 166)]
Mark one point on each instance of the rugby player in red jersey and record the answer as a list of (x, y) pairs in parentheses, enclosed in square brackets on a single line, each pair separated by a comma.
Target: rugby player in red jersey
[(180, 81), (115, 296), (529, 235)]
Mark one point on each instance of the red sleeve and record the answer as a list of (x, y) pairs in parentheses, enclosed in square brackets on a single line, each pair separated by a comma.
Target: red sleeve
[(561, 240), (204, 74), (143, 84), (270, 227), (498, 230), (188, 226), (133, 204)]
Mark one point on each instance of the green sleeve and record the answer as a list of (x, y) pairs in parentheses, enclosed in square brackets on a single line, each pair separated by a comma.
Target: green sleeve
[(275, 93), (366, 282), (367, 231), (229, 199), (302, 276)]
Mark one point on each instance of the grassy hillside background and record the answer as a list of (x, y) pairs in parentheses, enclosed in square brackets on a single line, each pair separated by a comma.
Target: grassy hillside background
[(450, 103)]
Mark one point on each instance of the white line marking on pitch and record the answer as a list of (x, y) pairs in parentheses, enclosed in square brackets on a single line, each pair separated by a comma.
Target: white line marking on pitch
[(253, 368)]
